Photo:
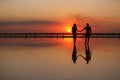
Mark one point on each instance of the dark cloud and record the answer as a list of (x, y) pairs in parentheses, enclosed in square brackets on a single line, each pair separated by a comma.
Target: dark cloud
[(11, 23), (27, 44)]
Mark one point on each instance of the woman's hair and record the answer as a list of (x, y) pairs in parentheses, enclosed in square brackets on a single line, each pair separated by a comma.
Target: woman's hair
[(74, 24)]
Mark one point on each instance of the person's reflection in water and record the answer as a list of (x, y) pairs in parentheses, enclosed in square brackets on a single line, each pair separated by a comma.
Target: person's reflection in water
[(88, 54), (74, 57), (74, 54)]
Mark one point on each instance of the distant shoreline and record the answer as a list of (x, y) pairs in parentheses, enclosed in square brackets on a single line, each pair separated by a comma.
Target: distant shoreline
[(57, 35)]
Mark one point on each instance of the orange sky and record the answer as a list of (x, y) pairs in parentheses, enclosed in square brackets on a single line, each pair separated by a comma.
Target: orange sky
[(58, 15)]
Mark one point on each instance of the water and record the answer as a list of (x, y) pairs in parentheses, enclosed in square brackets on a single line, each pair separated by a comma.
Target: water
[(51, 59)]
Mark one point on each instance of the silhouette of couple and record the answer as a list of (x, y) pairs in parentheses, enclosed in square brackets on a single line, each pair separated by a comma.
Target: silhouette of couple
[(87, 57), (87, 38), (87, 34)]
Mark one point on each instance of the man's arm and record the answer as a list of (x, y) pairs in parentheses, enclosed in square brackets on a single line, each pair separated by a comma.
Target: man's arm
[(82, 30)]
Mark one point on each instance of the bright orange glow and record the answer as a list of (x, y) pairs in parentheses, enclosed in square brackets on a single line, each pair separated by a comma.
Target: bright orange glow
[(69, 30), (68, 41)]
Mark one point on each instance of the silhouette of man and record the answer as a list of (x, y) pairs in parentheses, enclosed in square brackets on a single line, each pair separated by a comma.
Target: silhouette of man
[(88, 33), (74, 32)]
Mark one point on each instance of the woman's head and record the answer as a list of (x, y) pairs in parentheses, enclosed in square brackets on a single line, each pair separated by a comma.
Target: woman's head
[(74, 24)]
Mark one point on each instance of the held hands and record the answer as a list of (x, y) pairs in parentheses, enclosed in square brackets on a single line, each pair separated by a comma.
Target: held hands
[(79, 31)]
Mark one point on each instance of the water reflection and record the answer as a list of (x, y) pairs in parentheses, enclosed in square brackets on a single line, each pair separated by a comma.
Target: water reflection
[(55, 62), (74, 54), (88, 54)]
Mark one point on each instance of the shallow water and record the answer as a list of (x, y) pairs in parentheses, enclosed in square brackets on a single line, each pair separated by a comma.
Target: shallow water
[(52, 59)]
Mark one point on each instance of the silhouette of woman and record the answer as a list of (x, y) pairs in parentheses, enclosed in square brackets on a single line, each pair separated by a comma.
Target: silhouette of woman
[(88, 33), (74, 29)]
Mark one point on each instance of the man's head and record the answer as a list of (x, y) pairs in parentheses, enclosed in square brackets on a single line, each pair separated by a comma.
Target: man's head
[(87, 24)]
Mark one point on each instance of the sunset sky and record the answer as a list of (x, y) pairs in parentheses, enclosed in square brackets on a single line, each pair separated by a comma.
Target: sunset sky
[(59, 15)]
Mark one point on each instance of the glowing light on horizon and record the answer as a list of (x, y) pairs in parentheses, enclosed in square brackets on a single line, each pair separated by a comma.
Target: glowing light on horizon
[(69, 30)]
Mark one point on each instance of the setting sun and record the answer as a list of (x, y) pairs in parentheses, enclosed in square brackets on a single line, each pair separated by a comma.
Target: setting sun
[(69, 30)]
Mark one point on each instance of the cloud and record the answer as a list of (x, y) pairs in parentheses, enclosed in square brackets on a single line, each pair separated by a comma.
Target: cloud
[(12, 23), (99, 24), (82, 20), (27, 44)]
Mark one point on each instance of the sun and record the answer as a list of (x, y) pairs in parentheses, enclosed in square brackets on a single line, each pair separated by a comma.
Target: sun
[(69, 30)]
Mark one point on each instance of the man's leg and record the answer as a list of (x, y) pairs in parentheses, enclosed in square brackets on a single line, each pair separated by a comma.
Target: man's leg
[(88, 39), (85, 39)]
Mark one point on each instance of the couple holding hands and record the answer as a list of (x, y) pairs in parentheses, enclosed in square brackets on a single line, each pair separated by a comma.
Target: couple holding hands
[(87, 28)]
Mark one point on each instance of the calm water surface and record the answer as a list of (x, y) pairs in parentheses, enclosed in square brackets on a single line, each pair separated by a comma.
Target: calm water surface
[(52, 59)]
